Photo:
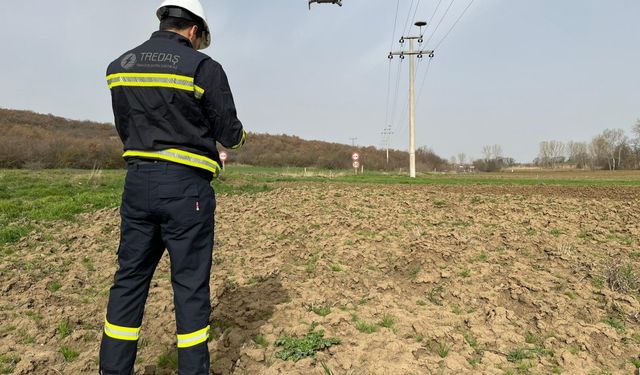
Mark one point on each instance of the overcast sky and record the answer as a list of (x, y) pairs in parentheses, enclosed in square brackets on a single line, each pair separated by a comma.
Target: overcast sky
[(512, 72)]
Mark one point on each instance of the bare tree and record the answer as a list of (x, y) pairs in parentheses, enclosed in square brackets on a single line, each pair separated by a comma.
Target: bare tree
[(550, 153), (462, 158), (599, 151), (496, 152), (579, 154), (487, 153), (615, 141)]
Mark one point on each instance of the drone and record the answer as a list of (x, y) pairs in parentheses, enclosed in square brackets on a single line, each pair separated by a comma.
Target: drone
[(339, 2)]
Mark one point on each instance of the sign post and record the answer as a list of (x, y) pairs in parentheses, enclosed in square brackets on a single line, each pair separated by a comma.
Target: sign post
[(356, 165), (223, 158), (356, 161)]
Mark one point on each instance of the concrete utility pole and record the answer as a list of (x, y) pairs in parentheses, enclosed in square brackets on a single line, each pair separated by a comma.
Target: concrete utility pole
[(411, 53), (353, 141), (386, 134)]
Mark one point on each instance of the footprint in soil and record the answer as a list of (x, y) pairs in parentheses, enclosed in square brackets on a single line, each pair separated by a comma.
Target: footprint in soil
[(237, 315)]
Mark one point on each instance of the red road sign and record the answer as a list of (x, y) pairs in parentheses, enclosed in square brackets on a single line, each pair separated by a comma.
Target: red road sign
[(355, 156), (223, 155), (356, 164)]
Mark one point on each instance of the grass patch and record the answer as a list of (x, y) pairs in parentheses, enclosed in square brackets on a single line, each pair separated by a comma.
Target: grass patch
[(519, 354), (296, 348), (443, 350), (54, 286), (321, 310), (440, 203), (434, 295), (88, 264), (8, 363), (365, 327), (387, 321), (261, 341), (168, 360), (335, 267), (68, 353), (615, 323), (63, 329), (414, 271)]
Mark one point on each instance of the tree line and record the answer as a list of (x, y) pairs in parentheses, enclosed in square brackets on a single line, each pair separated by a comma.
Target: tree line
[(31, 140), (612, 150), (35, 141)]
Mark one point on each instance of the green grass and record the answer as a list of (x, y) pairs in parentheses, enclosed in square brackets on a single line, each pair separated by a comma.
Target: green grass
[(321, 310), (63, 329), (295, 348), (52, 195), (615, 323), (387, 321), (261, 341), (365, 327), (69, 354), (168, 360), (8, 363), (54, 286), (28, 196)]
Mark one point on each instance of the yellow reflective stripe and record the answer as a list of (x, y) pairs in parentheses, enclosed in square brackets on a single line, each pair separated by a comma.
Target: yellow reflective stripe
[(179, 157), (194, 338), (150, 75), (152, 84), (199, 92), (244, 138), (173, 81), (121, 333)]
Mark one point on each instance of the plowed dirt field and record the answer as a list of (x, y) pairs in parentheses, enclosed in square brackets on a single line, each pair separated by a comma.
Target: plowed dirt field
[(411, 279)]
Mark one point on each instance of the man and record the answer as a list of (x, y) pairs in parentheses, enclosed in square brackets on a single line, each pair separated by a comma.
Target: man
[(171, 105)]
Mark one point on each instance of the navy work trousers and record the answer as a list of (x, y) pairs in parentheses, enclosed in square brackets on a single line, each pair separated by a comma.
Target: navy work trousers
[(164, 205)]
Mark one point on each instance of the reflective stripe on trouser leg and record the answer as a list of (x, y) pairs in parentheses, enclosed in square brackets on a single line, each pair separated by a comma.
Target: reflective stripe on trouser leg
[(121, 333), (191, 339)]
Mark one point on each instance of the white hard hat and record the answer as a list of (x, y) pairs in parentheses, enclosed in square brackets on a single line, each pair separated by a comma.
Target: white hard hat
[(194, 7)]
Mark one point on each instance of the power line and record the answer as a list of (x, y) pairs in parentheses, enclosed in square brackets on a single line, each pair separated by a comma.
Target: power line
[(434, 12), (426, 73), (404, 29), (395, 23), (395, 100), (454, 24), (440, 22), (415, 12)]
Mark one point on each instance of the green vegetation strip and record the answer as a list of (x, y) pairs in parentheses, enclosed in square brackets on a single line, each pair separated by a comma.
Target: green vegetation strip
[(46, 195)]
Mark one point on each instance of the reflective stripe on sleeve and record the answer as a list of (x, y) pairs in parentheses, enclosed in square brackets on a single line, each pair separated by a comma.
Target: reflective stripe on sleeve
[(121, 333), (173, 81), (179, 157), (244, 138), (194, 338)]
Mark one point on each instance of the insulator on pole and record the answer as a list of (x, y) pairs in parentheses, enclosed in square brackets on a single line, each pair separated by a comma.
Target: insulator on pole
[(390, 56), (420, 40), (401, 56), (401, 40), (431, 55), (419, 55)]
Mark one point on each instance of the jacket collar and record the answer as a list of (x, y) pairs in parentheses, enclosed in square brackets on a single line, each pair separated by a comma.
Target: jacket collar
[(170, 35)]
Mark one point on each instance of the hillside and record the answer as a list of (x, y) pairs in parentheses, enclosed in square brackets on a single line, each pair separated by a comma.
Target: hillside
[(36, 141)]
